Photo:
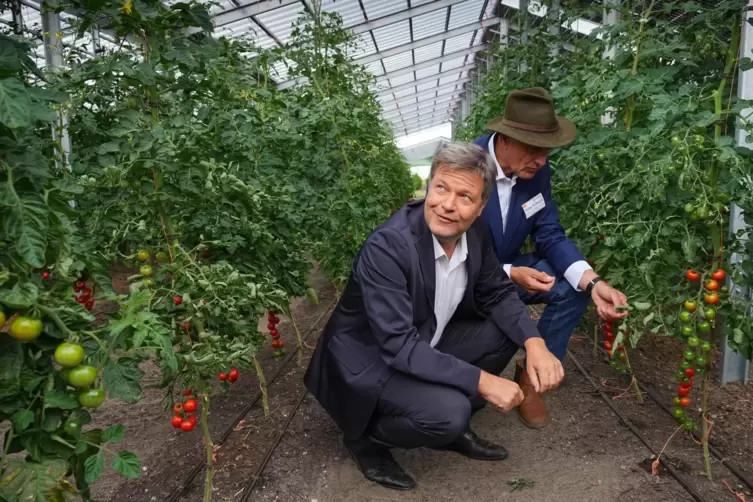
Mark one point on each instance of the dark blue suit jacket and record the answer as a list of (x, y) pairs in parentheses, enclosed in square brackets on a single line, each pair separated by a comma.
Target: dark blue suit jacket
[(548, 235), (385, 319)]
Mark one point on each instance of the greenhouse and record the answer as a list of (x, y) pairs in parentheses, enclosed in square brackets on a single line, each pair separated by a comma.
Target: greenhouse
[(368, 250)]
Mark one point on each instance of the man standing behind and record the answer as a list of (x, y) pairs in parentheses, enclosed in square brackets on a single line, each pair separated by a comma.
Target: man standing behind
[(520, 206), (426, 322)]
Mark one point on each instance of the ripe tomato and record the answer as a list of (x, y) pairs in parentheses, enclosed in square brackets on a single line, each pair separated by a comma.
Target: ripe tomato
[(684, 402), (271, 316), (25, 329), (274, 333), (186, 326), (690, 372), (712, 285), (176, 421), (146, 270), (190, 405), (275, 344), (692, 275), (282, 344), (91, 398), (270, 326), (718, 275), (86, 294), (683, 391), (608, 345), (608, 328), (609, 336), (711, 298), (177, 300), (69, 355), (690, 305), (233, 375), (82, 376), (143, 255), (177, 408), (187, 425), (222, 377), (89, 303), (187, 392), (193, 420), (80, 285), (620, 348), (46, 276)]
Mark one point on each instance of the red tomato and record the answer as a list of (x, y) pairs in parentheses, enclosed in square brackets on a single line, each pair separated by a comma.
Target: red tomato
[(684, 402), (45, 276), (608, 328), (718, 275), (193, 420), (711, 298), (683, 391), (270, 326), (692, 275), (178, 408), (190, 405), (275, 344), (187, 392), (282, 344), (222, 377), (609, 336), (712, 285), (176, 421), (274, 333), (233, 375), (186, 326), (177, 299), (620, 348), (608, 345), (187, 425), (86, 294), (690, 372)]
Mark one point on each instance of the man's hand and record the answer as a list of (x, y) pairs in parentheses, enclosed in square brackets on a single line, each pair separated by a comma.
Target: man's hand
[(544, 370), (606, 298), (531, 279), (502, 393)]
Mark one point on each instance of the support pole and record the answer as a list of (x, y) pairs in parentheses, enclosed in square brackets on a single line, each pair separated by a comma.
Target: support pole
[(733, 367), (610, 16)]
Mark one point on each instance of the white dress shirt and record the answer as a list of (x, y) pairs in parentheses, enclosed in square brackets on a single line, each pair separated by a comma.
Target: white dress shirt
[(574, 272), (451, 281)]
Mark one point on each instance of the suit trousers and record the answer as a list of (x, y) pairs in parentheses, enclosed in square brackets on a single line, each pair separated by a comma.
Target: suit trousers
[(413, 413)]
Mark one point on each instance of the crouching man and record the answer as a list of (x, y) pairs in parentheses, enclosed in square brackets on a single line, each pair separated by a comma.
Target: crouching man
[(427, 322)]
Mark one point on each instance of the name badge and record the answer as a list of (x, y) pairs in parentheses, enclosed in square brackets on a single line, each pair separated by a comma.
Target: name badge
[(534, 205)]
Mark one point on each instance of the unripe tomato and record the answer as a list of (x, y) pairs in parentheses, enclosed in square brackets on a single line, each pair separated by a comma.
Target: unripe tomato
[(712, 285), (191, 405), (692, 275), (143, 255), (685, 316), (187, 425), (709, 313), (689, 355), (718, 275), (233, 375), (701, 361), (176, 421), (161, 256), (678, 413), (690, 305), (687, 330), (91, 398), (69, 355), (25, 329), (146, 270), (694, 341), (2, 319), (82, 376), (704, 327), (711, 298), (72, 427), (706, 346)]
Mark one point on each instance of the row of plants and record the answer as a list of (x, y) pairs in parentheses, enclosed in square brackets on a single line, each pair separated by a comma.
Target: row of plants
[(645, 190), (215, 189)]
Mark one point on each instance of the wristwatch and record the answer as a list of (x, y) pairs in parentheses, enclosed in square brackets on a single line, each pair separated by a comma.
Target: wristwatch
[(591, 284)]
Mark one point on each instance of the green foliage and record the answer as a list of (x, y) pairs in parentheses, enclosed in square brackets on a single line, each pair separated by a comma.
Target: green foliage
[(645, 195), (417, 182)]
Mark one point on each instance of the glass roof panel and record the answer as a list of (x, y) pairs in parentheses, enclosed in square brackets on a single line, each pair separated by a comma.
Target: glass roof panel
[(392, 35), (429, 24)]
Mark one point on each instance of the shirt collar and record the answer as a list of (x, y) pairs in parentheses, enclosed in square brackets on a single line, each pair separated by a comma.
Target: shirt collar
[(461, 249), (500, 173)]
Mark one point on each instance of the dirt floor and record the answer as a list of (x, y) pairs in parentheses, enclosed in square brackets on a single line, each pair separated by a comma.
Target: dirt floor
[(586, 452)]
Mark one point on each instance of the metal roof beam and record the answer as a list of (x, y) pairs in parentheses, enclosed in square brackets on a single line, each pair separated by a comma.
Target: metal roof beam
[(432, 62), (433, 121), (248, 10), (425, 80), (404, 15), (420, 94), (412, 109), (492, 21), (425, 114)]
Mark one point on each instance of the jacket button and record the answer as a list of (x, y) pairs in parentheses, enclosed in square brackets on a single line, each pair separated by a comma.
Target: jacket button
[(380, 383)]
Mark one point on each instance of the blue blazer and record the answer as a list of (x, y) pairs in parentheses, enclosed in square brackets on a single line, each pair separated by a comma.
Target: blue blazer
[(544, 227), (384, 321)]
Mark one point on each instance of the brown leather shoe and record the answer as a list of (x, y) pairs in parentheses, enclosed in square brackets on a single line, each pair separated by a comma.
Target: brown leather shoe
[(532, 410)]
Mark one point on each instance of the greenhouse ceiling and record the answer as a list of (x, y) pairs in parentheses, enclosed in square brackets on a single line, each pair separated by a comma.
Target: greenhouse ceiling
[(421, 51)]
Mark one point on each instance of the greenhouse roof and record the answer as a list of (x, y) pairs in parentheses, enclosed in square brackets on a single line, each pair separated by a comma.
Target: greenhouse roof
[(420, 51)]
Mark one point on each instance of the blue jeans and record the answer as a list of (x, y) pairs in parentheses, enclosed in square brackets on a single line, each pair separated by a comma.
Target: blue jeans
[(564, 305)]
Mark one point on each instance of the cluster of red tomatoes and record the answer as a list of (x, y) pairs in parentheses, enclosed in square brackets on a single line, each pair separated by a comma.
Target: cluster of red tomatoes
[(83, 294), (231, 376), (184, 417), (272, 322), (609, 337)]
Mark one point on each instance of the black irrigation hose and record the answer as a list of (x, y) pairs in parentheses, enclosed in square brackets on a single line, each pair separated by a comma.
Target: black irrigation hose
[(175, 495), (252, 482), (714, 451), (693, 493)]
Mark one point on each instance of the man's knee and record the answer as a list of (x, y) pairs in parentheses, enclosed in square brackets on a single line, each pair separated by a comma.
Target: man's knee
[(449, 420)]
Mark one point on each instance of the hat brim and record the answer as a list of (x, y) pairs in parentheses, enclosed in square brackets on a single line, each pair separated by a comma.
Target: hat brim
[(563, 136)]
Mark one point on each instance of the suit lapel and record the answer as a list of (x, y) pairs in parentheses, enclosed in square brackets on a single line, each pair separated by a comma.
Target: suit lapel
[(493, 217), (425, 247)]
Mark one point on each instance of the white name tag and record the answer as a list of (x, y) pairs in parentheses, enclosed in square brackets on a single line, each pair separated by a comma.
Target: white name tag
[(534, 205)]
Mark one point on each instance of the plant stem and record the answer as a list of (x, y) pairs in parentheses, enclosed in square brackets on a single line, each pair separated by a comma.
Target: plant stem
[(209, 446), (705, 426), (299, 339), (262, 387), (52, 314), (631, 101), (6, 448), (596, 341), (634, 383)]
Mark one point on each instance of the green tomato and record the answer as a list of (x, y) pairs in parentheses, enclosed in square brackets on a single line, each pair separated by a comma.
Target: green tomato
[(689, 355), (690, 305), (675, 140), (72, 427), (82, 376), (162, 257), (701, 361), (676, 401), (143, 255), (26, 329), (689, 208), (687, 331), (706, 346), (66, 374), (685, 365), (685, 316), (69, 355), (146, 270), (694, 341), (709, 313), (704, 328), (689, 425), (678, 413), (91, 398), (680, 374)]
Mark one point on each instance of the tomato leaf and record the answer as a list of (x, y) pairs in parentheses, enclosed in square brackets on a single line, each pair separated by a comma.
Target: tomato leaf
[(22, 419), (53, 417), (33, 481), (123, 379), (642, 305), (11, 361), (94, 467), (26, 223), (21, 296), (127, 464), (15, 104), (58, 399), (113, 434)]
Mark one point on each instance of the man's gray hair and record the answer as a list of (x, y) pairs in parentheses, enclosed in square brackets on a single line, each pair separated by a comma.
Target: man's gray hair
[(466, 157)]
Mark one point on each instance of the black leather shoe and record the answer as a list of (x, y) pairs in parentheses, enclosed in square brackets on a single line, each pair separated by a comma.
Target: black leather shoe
[(377, 465), (472, 446)]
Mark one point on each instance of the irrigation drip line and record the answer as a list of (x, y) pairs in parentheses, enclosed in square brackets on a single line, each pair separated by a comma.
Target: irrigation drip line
[(175, 495), (252, 482), (691, 491), (733, 468)]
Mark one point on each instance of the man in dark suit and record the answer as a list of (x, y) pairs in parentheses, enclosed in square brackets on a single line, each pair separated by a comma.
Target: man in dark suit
[(427, 322), (521, 205)]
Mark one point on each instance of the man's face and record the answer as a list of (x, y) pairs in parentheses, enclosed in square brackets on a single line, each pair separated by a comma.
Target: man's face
[(454, 202), (522, 159)]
